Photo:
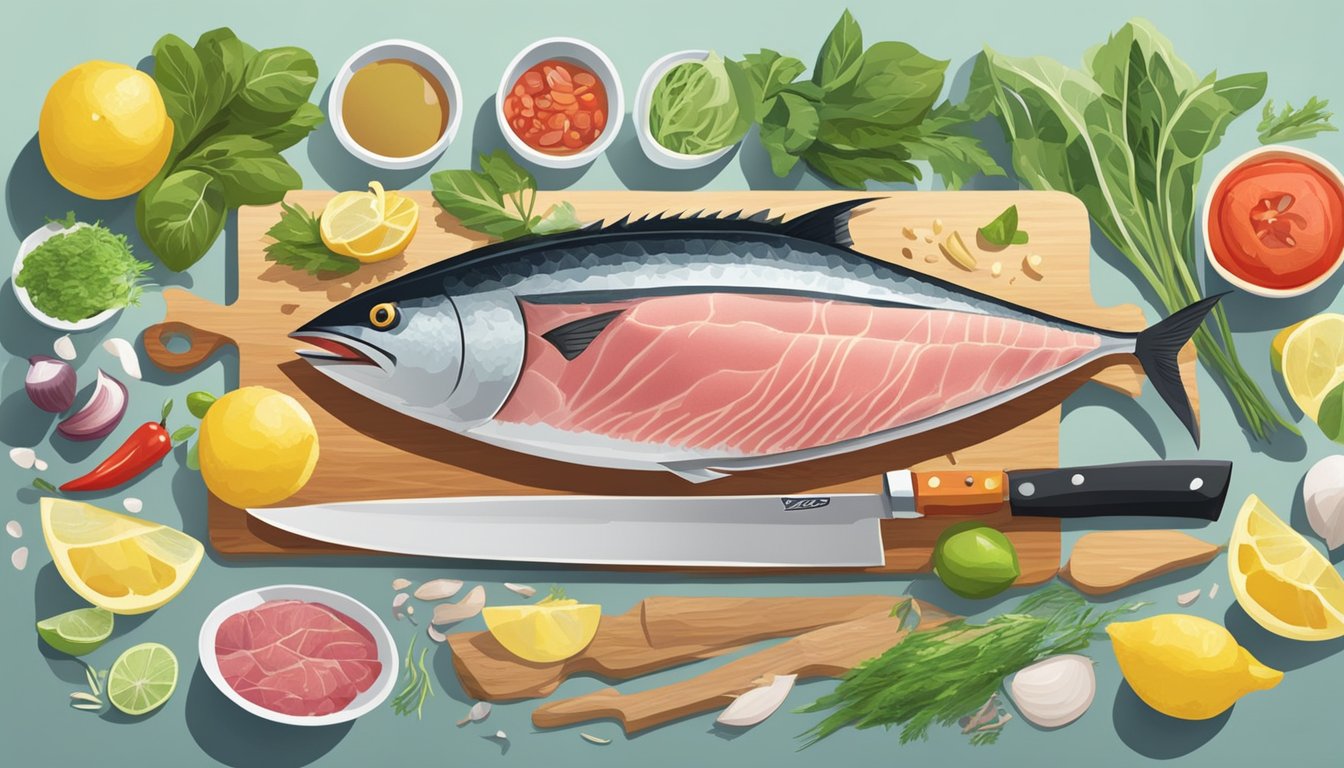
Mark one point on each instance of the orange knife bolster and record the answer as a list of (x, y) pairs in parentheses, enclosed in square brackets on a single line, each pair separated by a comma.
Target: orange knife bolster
[(959, 492)]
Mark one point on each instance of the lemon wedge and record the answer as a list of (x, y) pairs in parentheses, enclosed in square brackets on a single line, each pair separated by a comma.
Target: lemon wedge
[(1313, 361), (123, 564), (554, 629), (369, 226), (1280, 579)]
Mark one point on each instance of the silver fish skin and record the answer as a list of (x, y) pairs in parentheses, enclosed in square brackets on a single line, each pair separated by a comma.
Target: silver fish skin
[(447, 344)]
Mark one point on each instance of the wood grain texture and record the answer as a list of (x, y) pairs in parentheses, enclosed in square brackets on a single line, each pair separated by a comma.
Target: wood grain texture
[(368, 452), (658, 633), (826, 652), (1107, 561)]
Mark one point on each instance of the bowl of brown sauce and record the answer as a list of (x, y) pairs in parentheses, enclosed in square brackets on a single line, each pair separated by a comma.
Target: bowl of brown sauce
[(395, 104)]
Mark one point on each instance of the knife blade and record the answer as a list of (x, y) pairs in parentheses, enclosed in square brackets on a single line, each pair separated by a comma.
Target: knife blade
[(806, 530)]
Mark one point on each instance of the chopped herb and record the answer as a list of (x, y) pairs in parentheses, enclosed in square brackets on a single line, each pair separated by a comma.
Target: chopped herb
[(1294, 124), (499, 200), (77, 274), (1003, 231), (43, 485), (699, 107), (419, 684), (298, 244)]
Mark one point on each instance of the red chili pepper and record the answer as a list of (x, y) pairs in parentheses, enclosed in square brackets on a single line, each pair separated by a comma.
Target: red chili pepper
[(149, 443)]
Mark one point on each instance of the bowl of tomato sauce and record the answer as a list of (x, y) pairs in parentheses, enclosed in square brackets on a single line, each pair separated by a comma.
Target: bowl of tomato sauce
[(560, 103), (1274, 221)]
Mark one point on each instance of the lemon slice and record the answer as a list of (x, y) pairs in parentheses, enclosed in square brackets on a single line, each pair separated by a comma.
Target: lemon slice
[(552, 630), (369, 226), (123, 564), (1313, 361), (1280, 579)]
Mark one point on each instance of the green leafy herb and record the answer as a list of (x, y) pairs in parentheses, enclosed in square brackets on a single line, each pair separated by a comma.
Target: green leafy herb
[(499, 200), (234, 109), (865, 115), (298, 244), (182, 433), (940, 675), (67, 221), (199, 402), (1003, 231), (419, 684), (700, 107), (79, 273), (1294, 124), (1127, 135), (1330, 417)]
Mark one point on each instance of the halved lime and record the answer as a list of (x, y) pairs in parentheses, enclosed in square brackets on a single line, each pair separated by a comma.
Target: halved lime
[(142, 678), (77, 632)]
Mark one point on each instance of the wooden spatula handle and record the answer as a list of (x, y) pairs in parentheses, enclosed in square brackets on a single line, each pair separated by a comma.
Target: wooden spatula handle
[(203, 345)]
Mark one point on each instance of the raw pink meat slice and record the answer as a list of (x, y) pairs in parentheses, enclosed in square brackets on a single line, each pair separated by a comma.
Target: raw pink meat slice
[(758, 375), (296, 657)]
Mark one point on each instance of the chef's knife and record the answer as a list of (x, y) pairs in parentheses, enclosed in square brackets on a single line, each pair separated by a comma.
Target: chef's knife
[(810, 530)]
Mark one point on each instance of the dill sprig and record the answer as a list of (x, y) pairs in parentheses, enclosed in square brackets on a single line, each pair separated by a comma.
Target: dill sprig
[(419, 684), (940, 675)]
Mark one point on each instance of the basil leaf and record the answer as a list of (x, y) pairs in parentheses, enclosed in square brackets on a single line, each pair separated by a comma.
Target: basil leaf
[(278, 80), (298, 245), (838, 60), (560, 218), (249, 170), (182, 433), (180, 216), (507, 176), (199, 402), (788, 128), (223, 61), (854, 169), (1003, 231), (476, 202), (768, 72), (1294, 124), (896, 85), (183, 85), (1330, 418)]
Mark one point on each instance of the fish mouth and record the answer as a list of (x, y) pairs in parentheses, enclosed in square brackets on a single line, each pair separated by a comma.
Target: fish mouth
[(334, 348)]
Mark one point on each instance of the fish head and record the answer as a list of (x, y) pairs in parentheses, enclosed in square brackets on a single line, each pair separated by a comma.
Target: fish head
[(396, 345)]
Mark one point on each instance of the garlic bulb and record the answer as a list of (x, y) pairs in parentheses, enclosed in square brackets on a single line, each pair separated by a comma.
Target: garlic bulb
[(1323, 493), (1056, 691), (757, 704)]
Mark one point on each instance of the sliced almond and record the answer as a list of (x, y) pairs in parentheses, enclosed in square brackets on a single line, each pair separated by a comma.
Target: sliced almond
[(400, 584), (1032, 266), (757, 704), (1213, 591), (996, 269), (467, 607), (909, 233), (438, 589), (1187, 598), (591, 739), (521, 589)]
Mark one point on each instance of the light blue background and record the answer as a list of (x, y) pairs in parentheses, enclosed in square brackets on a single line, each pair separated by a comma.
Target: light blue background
[(1296, 42)]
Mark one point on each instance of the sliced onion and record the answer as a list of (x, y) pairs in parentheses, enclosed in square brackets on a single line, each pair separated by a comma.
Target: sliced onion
[(101, 414), (50, 383)]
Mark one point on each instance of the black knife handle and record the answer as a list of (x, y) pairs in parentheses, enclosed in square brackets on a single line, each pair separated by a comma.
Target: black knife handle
[(1192, 489)]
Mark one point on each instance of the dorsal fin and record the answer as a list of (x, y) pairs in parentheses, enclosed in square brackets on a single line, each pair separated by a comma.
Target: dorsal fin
[(573, 337), (829, 224)]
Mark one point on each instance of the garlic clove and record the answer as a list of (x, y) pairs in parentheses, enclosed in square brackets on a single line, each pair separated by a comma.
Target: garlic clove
[(757, 704), (435, 634), (591, 739), (1054, 692), (124, 351), (1323, 496), (467, 607), (14, 529), (19, 558), (520, 589), (438, 589), (64, 347), (400, 584), (23, 458), (133, 505), (478, 712), (1187, 598)]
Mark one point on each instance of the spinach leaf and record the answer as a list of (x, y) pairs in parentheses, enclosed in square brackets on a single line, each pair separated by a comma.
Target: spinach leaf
[(249, 170), (840, 55), (223, 60), (854, 168), (896, 85), (789, 128), (183, 85), (180, 215), (1330, 417), (475, 200), (768, 73), (281, 137), (1294, 124), (1003, 231), (278, 80)]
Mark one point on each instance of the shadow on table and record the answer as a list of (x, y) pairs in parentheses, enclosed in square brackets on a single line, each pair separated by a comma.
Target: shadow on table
[(1274, 651), (1155, 735), (233, 737)]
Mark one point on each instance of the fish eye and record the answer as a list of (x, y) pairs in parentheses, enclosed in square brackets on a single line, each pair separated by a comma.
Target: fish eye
[(383, 316)]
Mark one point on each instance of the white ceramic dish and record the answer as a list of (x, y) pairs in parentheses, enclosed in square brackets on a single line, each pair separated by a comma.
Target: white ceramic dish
[(363, 704), (407, 51), (579, 52), (644, 100), (29, 244), (1262, 154)]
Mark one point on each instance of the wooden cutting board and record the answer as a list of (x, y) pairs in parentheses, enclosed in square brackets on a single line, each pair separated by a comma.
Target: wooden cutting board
[(369, 452)]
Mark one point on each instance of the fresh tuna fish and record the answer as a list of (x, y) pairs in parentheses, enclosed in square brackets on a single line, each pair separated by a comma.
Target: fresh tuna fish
[(704, 345)]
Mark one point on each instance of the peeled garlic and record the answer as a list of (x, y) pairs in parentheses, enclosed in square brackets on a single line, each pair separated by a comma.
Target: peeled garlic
[(1055, 691), (124, 351), (451, 613), (521, 589), (400, 584), (1323, 493), (1187, 598), (64, 348), (757, 704), (478, 712), (24, 458), (19, 558), (438, 589)]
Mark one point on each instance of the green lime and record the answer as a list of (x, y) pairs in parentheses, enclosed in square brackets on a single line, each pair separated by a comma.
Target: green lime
[(975, 561), (77, 632), (142, 678)]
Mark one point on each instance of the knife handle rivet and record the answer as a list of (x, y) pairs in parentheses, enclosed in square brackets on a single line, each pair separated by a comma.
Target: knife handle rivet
[(1077, 479), (934, 482), (970, 481), (1026, 489), (1197, 483)]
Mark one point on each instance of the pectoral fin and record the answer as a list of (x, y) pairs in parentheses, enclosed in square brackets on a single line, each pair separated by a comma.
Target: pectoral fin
[(572, 338)]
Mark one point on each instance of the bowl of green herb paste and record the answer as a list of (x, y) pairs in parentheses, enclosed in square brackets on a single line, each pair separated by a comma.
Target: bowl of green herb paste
[(692, 108), (73, 276)]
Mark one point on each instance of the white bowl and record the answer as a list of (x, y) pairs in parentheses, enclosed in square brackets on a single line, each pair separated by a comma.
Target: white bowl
[(579, 52), (363, 703), (407, 51), (29, 244), (644, 101), (1269, 152)]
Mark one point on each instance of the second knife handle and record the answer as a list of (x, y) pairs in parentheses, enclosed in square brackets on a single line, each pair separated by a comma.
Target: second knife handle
[(1185, 489)]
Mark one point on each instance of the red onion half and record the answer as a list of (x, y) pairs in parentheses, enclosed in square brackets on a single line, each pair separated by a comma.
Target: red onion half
[(101, 414), (50, 383)]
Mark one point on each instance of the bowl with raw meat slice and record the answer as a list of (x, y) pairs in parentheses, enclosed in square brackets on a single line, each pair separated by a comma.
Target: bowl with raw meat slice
[(299, 655)]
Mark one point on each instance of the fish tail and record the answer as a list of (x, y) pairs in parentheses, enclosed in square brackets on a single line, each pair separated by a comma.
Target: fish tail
[(1157, 349)]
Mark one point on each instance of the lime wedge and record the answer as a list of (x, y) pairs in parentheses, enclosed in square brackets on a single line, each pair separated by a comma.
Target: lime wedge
[(77, 632), (142, 678)]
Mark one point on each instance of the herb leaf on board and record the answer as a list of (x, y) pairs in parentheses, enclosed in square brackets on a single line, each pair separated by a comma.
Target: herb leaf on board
[(1294, 124), (298, 244), (479, 202), (1003, 231)]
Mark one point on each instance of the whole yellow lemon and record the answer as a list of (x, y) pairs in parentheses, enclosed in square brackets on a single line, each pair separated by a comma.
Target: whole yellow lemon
[(104, 132), (258, 447)]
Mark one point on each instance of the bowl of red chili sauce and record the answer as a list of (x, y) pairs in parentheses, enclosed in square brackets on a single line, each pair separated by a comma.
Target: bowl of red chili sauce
[(560, 103), (1274, 221)]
